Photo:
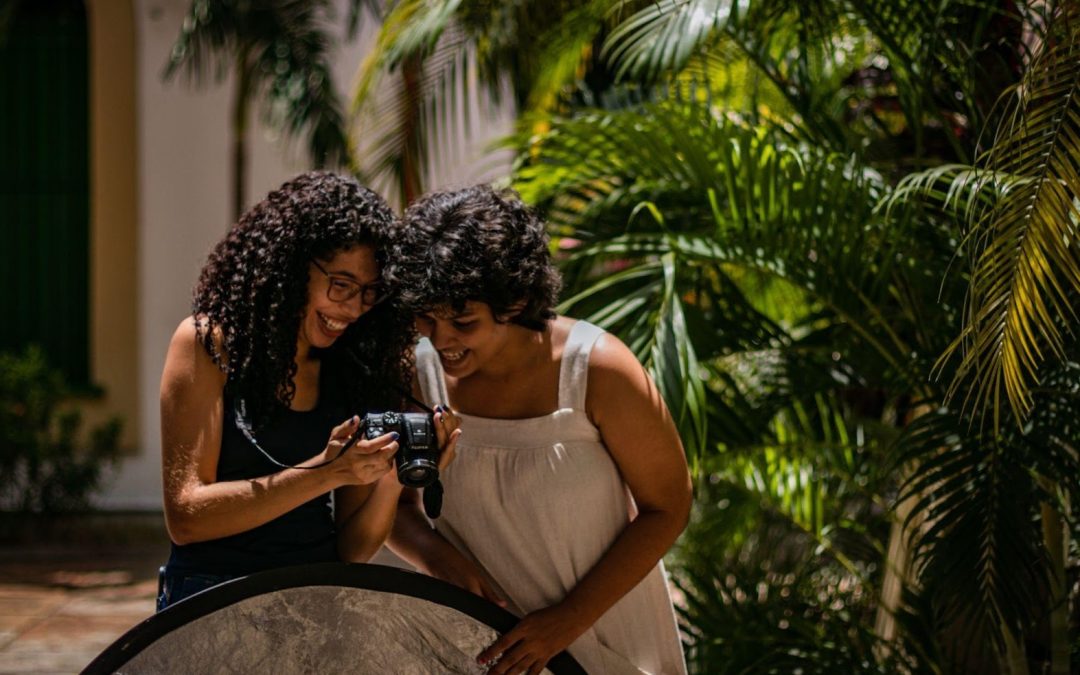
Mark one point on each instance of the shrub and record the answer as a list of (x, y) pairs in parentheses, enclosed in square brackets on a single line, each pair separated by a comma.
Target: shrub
[(46, 464)]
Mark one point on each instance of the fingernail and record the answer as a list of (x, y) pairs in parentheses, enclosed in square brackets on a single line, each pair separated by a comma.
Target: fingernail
[(355, 419), (393, 435)]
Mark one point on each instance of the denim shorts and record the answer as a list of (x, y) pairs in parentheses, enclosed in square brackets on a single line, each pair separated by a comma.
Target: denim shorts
[(175, 586)]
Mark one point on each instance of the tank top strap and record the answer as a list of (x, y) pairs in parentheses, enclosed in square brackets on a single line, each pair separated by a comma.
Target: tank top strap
[(574, 370), (430, 374)]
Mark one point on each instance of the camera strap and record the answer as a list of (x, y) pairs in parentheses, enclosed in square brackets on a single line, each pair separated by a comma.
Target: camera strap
[(240, 417), (432, 494)]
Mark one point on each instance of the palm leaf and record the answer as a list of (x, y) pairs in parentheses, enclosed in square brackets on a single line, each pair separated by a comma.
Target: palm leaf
[(663, 36), (285, 48), (651, 320), (773, 532), (975, 532), (467, 59), (1025, 254)]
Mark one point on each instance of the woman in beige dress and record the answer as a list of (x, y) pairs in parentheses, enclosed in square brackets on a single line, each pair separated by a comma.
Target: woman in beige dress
[(569, 482)]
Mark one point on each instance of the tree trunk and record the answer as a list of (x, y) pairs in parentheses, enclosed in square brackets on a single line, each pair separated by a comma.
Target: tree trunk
[(1015, 659), (410, 183), (241, 104), (897, 563), (1056, 539)]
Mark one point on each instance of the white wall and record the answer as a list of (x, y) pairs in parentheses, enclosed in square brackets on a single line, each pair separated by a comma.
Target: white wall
[(183, 189)]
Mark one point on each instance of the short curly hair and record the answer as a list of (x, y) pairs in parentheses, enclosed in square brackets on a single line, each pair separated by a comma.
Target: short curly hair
[(475, 244), (253, 291)]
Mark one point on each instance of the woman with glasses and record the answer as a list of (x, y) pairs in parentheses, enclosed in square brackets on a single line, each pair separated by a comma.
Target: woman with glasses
[(570, 481), (291, 339)]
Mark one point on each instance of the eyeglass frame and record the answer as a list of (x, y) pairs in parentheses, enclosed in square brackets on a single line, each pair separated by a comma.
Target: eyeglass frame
[(359, 289)]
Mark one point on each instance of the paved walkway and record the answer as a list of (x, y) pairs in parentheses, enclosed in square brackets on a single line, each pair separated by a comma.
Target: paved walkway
[(62, 604)]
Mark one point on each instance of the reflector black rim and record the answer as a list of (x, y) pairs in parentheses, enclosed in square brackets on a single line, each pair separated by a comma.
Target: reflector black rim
[(365, 576)]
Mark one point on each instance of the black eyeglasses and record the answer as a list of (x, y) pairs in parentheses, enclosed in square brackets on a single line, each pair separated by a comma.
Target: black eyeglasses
[(343, 289)]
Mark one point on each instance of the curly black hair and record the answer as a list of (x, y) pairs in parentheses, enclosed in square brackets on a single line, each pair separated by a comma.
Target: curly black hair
[(475, 244), (254, 291)]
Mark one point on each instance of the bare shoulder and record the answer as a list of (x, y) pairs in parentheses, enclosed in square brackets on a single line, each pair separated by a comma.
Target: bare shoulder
[(611, 358), (560, 330), (617, 382), (637, 429), (607, 350), (187, 359), (194, 328)]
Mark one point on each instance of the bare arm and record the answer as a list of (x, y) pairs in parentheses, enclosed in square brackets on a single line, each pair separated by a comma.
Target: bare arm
[(197, 506), (417, 543), (365, 514), (637, 429), (412, 537)]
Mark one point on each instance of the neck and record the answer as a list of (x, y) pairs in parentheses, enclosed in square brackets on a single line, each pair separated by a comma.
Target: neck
[(304, 356), (524, 348)]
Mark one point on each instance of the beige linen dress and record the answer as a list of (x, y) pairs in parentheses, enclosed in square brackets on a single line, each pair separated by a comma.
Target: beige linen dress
[(536, 502)]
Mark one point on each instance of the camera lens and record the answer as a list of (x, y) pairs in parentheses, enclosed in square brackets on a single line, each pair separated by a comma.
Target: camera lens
[(418, 473)]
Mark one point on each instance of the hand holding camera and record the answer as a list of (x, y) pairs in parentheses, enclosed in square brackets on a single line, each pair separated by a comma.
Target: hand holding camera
[(420, 444), (370, 459)]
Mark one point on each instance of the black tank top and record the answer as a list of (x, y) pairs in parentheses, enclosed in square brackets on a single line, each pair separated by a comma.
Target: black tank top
[(304, 535)]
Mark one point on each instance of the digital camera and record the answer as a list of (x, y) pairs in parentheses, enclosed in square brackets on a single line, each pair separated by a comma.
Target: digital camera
[(417, 458)]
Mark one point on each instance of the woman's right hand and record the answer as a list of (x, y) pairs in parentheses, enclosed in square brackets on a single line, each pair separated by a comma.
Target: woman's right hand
[(366, 461)]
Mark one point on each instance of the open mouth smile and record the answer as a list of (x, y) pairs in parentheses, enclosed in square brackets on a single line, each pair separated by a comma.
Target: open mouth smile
[(332, 325), (450, 358)]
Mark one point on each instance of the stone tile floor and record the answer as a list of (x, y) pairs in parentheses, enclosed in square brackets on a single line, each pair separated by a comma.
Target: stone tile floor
[(62, 604)]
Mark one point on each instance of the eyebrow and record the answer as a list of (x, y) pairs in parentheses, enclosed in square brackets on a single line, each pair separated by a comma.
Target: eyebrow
[(450, 317), (352, 277)]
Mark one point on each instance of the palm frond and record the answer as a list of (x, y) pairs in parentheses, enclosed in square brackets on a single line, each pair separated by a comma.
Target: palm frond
[(411, 30), (284, 47), (651, 320), (663, 36), (470, 57), (565, 52), (1025, 255), (974, 524), (773, 533)]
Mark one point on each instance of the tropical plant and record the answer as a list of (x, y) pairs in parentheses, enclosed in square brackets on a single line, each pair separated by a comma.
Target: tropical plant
[(792, 212), (790, 330), (435, 61), (47, 465), (279, 52)]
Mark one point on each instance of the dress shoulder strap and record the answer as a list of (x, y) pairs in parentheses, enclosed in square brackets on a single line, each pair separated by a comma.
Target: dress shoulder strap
[(430, 374), (574, 370)]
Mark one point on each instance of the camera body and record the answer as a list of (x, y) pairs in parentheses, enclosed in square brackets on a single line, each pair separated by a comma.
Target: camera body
[(417, 458)]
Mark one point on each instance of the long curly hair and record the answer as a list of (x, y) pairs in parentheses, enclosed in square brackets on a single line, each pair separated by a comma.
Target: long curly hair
[(475, 244), (253, 291)]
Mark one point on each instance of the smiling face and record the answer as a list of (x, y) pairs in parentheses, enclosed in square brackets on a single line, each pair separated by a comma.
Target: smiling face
[(325, 320), (467, 341)]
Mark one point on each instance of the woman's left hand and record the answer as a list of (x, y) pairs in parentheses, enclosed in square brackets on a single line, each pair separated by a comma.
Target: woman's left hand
[(529, 645)]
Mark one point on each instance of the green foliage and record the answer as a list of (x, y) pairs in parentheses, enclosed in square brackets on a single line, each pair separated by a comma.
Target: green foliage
[(46, 464), (791, 259), (771, 601), (435, 63)]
